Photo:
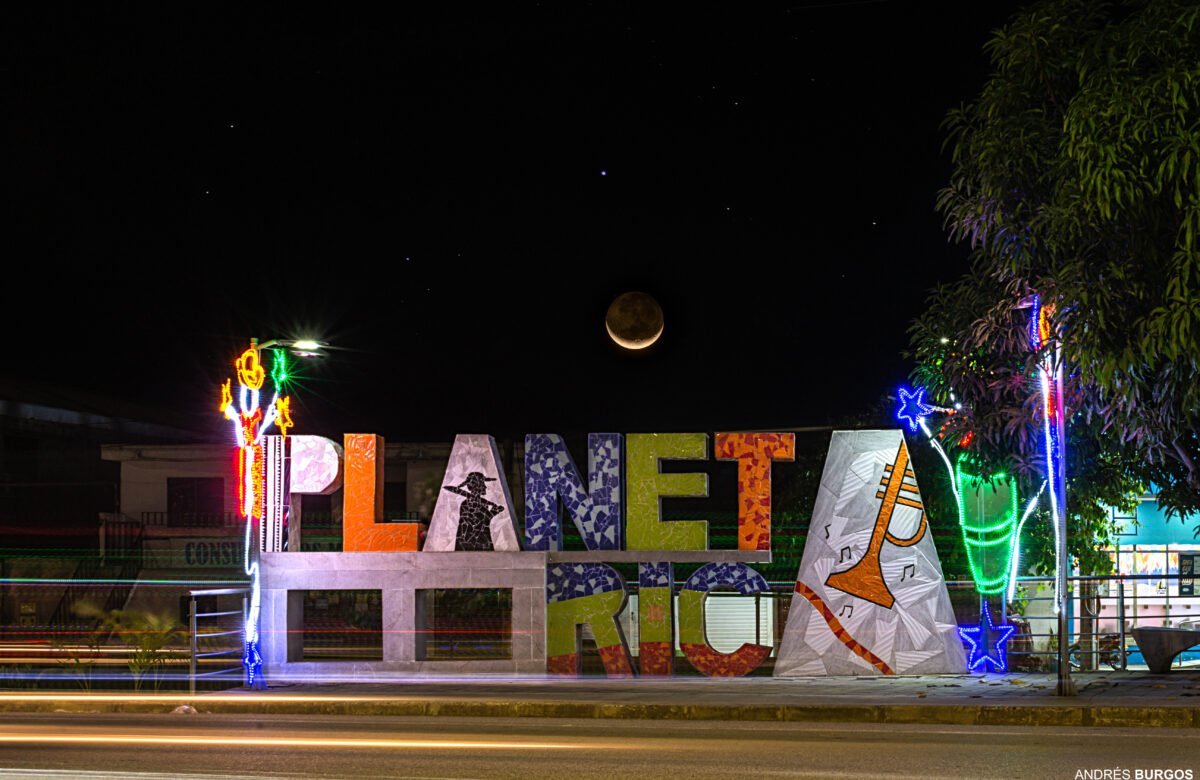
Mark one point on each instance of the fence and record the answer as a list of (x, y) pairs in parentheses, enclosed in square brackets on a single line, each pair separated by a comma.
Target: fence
[(193, 519), (208, 648), (105, 580), (1102, 613)]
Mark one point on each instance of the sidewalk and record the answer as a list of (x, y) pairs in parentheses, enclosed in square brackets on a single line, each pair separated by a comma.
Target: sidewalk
[(1125, 699)]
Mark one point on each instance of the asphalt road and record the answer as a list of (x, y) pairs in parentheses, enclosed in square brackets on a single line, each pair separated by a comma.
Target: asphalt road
[(193, 746)]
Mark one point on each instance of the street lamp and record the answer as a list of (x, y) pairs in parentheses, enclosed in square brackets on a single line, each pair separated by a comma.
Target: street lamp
[(304, 348), (261, 486)]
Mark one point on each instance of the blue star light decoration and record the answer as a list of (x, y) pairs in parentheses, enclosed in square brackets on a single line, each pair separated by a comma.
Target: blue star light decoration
[(913, 408), (252, 660), (987, 642)]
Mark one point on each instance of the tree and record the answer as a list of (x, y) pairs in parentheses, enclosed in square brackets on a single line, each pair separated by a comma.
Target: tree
[(984, 362), (1077, 174)]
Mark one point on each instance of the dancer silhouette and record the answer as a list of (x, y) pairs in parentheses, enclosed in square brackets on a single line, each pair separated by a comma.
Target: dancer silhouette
[(475, 513)]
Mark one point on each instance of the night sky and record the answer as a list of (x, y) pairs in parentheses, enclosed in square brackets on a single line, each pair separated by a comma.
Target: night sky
[(451, 197)]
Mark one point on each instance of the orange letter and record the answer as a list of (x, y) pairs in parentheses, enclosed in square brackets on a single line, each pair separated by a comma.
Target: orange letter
[(754, 453), (362, 502)]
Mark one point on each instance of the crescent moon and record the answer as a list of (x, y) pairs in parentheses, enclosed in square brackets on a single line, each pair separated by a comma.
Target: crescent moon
[(634, 320), (632, 343)]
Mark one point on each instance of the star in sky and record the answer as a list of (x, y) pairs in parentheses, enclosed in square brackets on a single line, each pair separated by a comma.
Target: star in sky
[(913, 408), (987, 642)]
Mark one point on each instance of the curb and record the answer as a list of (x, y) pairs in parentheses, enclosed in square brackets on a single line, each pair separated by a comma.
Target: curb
[(936, 714)]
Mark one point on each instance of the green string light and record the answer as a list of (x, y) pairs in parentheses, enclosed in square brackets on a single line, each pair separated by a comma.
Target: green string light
[(279, 371), (984, 499)]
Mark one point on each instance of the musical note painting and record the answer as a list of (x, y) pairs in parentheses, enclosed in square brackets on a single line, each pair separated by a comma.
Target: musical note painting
[(870, 597)]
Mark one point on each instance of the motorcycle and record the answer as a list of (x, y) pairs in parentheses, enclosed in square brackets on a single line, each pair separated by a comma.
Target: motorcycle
[(1108, 651)]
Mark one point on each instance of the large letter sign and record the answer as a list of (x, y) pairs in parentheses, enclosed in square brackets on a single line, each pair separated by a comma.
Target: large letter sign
[(870, 598), (363, 529), (656, 654)]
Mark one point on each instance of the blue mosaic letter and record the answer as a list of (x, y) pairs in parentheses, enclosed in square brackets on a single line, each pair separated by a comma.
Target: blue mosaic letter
[(550, 473)]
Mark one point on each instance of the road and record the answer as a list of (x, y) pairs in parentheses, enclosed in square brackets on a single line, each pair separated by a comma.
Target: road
[(186, 746)]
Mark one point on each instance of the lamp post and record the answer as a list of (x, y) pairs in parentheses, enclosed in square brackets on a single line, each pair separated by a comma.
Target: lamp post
[(261, 485), (1043, 334)]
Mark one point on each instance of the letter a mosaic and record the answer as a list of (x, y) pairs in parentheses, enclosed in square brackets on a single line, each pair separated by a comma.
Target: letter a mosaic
[(870, 597)]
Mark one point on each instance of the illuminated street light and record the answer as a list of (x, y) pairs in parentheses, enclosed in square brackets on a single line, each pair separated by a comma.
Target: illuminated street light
[(304, 348), (261, 487)]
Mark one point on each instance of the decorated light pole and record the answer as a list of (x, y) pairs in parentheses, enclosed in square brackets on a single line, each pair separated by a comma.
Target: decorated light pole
[(991, 530), (259, 488), (1042, 337)]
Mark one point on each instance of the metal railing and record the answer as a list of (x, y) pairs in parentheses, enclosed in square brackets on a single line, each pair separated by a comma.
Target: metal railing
[(106, 579), (192, 519), (201, 643), (1102, 613)]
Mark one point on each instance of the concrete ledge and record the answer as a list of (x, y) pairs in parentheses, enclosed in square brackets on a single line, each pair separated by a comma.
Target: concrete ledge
[(1000, 715), (1154, 717), (938, 714)]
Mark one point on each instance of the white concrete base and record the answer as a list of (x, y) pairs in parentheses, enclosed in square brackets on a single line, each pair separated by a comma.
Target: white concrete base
[(286, 575)]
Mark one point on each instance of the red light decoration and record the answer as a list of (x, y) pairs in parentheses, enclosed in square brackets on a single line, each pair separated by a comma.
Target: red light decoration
[(250, 425)]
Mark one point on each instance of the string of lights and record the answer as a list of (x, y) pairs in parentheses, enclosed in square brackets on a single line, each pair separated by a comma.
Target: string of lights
[(250, 425)]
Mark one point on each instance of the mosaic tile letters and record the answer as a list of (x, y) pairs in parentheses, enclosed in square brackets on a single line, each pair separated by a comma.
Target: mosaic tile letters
[(692, 638), (316, 466), (474, 508), (870, 598), (656, 633), (579, 593), (646, 486), (550, 473), (362, 501), (754, 453)]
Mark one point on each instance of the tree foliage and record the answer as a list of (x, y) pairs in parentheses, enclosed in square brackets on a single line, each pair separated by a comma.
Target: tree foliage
[(990, 369), (1077, 177)]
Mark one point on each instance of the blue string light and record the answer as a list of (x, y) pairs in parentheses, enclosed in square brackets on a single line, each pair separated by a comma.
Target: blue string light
[(913, 408), (987, 642)]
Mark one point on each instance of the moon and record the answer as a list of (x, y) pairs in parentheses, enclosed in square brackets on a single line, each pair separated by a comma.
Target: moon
[(634, 320)]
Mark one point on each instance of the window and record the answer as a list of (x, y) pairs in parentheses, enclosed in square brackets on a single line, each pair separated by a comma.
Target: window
[(20, 458), (195, 501), (343, 625), (465, 624)]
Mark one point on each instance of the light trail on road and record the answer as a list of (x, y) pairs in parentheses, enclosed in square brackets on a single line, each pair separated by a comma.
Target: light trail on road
[(336, 747), (184, 698), (174, 739)]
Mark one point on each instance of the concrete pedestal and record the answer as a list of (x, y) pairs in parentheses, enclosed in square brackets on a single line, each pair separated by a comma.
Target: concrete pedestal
[(286, 575)]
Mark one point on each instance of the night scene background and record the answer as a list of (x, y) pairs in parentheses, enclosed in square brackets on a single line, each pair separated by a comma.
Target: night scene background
[(451, 197)]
